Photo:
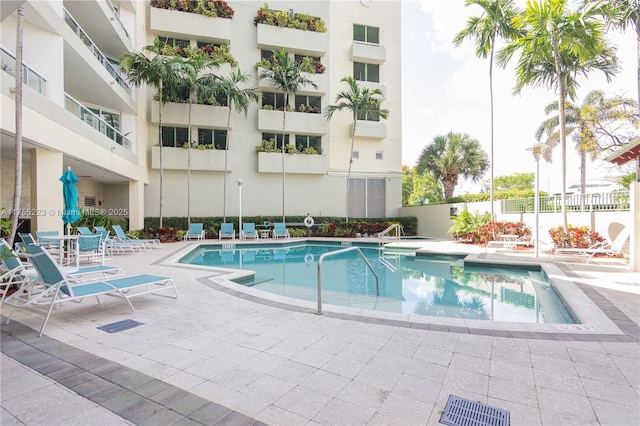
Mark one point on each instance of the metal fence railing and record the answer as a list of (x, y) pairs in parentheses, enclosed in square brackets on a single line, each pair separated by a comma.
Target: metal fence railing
[(612, 201)]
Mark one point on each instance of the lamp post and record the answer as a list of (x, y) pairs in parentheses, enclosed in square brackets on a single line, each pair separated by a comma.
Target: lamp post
[(239, 182), (537, 151)]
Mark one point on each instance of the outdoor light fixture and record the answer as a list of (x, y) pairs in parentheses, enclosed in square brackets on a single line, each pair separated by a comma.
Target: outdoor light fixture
[(239, 182)]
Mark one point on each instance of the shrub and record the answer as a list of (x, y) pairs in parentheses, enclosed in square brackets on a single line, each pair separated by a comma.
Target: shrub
[(491, 230), (290, 19), (211, 8), (466, 225), (575, 237), (162, 234)]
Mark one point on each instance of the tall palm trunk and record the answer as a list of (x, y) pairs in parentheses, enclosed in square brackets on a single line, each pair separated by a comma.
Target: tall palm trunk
[(353, 139), (284, 117), (491, 148), (638, 53), (17, 189), (189, 166), (226, 154), (562, 89), (160, 151)]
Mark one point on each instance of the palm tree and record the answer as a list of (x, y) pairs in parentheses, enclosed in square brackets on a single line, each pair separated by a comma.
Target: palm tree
[(159, 72), (286, 75), (621, 14), (17, 188), (238, 99), (559, 44), (363, 103), (495, 21), (191, 83), (596, 119), (450, 157)]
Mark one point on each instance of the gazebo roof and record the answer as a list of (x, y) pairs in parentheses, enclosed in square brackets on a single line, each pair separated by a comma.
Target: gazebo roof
[(630, 152)]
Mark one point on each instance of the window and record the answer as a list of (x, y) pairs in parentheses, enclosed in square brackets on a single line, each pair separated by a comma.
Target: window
[(308, 104), (175, 42), (367, 197), (111, 118), (277, 138), (369, 116), (203, 44), (174, 136), (215, 137), (266, 54), (306, 141), (366, 34), (379, 155), (366, 72), (299, 58), (274, 100)]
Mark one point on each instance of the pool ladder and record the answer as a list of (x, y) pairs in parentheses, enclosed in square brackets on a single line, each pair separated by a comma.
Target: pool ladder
[(332, 253)]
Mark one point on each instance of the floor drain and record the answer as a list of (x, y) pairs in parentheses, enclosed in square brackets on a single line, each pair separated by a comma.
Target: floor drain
[(115, 327), (464, 412)]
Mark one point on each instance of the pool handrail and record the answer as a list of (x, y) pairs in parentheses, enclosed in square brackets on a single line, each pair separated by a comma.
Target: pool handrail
[(331, 253)]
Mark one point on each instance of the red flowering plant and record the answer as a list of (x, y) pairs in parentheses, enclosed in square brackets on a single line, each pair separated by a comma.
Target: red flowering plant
[(492, 230), (574, 237), (163, 234)]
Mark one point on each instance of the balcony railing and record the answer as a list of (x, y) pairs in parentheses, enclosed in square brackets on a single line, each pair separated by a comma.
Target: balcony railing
[(612, 201), (96, 52), (116, 16), (93, 120), (29, 77)]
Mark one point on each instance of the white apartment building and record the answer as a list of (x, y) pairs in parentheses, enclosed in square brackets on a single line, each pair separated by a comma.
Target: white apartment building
[(81, 112)]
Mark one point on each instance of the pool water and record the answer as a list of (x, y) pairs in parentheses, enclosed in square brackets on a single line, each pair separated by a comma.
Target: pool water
[(437, 286)]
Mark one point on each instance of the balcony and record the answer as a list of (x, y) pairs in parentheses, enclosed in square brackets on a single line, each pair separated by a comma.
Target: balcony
[(201, 115), (368, 53), (101, 21), (209, 160), (309, 43), (173, 23), (306, 164), (86, 40), (371, 129), (29, 77), (86, 115), (295, 122)]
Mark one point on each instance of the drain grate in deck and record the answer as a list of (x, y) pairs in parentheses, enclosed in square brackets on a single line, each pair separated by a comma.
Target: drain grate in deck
[(115, 327), (464, 412)]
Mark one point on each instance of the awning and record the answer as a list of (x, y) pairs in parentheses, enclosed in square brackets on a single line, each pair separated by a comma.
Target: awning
[(630, 152)]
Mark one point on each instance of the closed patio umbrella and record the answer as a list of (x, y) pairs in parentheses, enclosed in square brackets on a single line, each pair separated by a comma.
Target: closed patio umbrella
[(71, 212)]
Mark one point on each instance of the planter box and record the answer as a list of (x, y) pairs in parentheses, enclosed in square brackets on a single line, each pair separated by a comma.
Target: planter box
[(177, 114), (371, 129), (309, 43), (296, 122), (369, 53), (271, 162), (174, 23), (201, 160)]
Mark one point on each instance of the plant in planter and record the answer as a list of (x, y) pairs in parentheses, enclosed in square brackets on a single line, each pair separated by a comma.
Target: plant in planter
[(289, 19), (267, 146), (211, 8)]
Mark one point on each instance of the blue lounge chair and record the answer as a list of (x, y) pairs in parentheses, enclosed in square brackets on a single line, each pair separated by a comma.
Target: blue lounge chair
[(195, 231), (227, 231), (110, 244), (89, 246), (84, 230), (11, 268), (53, 287), (249, 231), (280, 230), (123, 237)]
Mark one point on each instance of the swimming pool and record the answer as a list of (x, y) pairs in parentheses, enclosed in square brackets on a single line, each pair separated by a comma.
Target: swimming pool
[(435, 285)]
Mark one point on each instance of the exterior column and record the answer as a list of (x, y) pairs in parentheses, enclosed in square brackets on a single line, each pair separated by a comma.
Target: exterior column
[(136, 204), (634, 241), (47, 201)]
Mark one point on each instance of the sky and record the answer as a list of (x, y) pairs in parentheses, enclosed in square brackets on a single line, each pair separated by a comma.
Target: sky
[(446, 89)]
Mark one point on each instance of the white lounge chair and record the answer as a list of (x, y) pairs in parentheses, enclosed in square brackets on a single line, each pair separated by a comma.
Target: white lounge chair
[(227, 231), (123, 237), (610, 248), (53, 287), (280, 230), (249, 231)]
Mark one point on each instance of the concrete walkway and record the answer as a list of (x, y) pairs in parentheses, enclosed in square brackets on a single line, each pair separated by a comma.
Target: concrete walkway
[(222, 355)]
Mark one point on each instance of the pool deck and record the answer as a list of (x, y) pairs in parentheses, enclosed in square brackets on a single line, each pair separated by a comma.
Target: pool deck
[(222, 354)]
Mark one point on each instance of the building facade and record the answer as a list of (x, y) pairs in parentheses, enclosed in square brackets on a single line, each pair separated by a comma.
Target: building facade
[(80, 111)]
